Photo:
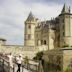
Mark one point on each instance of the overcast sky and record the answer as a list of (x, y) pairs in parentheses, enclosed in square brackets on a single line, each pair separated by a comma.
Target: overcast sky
[(13, 13)]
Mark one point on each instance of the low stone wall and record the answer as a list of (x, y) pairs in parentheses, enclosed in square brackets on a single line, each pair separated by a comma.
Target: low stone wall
[(15, 50), (67, 59)]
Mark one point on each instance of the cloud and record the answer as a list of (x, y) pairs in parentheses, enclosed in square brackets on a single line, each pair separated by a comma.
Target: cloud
[(46, 12), (11, 22), (13, 13), (47, 1)]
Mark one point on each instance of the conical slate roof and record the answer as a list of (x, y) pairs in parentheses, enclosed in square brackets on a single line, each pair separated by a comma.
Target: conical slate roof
[(66, 9), (30, 17)]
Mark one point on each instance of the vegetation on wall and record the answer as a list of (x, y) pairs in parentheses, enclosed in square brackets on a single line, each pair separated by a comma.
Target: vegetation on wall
[(66, 46), (68, 70), (38, 56)]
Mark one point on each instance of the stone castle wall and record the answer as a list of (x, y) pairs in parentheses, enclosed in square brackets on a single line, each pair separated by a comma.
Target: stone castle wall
[(16, 50)]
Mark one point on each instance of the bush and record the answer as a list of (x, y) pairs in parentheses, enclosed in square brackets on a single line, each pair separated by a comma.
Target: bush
[(38, 56)]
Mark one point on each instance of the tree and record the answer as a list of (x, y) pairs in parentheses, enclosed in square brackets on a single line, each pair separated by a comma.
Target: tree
[(38, 56)]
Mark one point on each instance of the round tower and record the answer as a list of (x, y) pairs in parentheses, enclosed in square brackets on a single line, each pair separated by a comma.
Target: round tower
[(30, 23)]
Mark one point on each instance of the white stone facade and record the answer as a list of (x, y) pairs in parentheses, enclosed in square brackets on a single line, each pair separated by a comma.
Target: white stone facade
[(45, 35)]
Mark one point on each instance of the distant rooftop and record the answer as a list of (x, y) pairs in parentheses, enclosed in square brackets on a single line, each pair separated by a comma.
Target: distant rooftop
[(2, 39)]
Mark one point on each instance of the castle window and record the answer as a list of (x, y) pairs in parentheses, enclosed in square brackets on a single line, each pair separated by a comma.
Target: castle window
[(63, 30), (63, 27), (29, 26), (29, 36), (41, 42), (63, 20), (63, 33), (44, 42)]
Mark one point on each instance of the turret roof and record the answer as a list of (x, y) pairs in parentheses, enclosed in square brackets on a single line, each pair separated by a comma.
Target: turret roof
[(66, 9), (30, 17)]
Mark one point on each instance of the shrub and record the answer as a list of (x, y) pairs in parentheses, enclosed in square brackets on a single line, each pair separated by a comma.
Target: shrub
[(38, 56)]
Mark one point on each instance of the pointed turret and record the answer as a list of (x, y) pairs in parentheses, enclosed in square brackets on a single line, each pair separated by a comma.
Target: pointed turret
[(30, 24), (66, 9), (30, 17)]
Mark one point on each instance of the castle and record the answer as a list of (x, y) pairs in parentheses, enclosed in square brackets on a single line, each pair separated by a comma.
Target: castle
[(54, 37), (54, 33)]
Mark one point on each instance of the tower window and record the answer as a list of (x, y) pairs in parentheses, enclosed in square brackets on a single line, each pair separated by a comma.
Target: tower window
[(29, 36), (29, 26), (63, 20), (37, 43)]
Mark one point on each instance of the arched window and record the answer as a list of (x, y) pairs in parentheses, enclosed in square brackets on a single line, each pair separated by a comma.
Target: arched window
[(44, 42)]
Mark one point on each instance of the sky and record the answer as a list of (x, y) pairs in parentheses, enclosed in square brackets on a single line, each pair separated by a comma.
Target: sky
[(13, 13)]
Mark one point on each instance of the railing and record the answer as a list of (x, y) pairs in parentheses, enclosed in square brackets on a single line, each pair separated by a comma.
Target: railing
[(30, 67), (4, 66)]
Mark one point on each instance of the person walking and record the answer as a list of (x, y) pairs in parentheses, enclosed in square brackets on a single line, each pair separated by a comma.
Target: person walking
[(19, 62), (10, 60)]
